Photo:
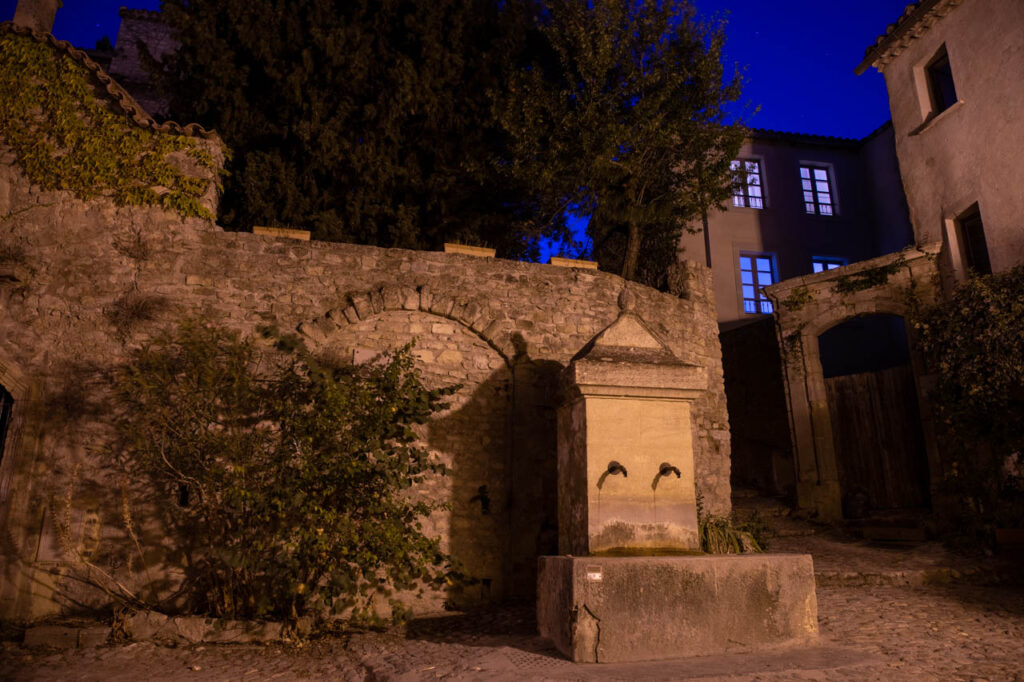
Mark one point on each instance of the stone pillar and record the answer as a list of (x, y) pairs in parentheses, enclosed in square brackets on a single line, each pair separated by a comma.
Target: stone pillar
[(625, 444), (37, 14)]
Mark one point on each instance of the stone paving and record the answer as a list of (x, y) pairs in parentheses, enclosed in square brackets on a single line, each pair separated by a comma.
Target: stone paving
[(881, 626)]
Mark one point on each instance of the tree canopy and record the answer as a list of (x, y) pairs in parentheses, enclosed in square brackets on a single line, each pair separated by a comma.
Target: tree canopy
[(624, 114), (402, 123)]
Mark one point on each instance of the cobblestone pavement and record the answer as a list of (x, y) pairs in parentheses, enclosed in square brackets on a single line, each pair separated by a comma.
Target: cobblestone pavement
[(881, 619)]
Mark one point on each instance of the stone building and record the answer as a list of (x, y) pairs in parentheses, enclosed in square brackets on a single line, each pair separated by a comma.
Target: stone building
[(954, 70), (127, 65), (803, 204), (955, 74), (70, 268)]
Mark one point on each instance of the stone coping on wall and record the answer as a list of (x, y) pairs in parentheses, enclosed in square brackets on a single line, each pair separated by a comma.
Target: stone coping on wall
[(826, 278)]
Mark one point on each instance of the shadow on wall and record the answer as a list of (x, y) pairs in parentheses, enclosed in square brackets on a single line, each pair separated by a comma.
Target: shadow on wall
[(502, 445)]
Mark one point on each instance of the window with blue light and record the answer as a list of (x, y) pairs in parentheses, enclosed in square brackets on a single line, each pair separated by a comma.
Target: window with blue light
[(823, 263), (757, 270), (747, 183), (817, 188)]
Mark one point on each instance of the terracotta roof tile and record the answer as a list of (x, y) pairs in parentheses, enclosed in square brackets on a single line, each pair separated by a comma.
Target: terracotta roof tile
[(117, 94)]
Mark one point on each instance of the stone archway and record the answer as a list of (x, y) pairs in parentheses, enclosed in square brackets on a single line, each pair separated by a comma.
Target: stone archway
[(806, 307), (472, 437)]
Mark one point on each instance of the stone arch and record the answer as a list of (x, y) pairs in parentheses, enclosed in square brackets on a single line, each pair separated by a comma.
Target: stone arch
[(472, 436), (804, 308), (475, 316)]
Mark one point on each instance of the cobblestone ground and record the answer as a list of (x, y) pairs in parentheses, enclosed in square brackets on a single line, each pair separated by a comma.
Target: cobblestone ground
[(880, 616), (951, 632)]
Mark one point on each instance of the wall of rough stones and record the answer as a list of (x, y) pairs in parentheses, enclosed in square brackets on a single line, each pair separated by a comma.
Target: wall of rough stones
[(503, 329)]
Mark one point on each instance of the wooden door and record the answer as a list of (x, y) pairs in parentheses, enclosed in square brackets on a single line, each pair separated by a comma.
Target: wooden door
[(876, 426)]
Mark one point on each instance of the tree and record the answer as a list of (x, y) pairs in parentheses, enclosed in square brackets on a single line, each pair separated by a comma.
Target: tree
[(631, 97), (287, 479), (369, 121)]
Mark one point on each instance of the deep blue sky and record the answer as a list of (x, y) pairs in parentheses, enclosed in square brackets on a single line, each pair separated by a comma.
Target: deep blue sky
[(799, 55)]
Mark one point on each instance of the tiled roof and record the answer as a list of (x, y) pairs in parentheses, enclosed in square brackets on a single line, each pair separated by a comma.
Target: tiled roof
[(762, 134), (917, 18), (117, 94)]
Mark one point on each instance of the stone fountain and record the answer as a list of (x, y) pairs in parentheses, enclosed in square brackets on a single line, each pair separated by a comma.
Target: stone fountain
[(631, 583)]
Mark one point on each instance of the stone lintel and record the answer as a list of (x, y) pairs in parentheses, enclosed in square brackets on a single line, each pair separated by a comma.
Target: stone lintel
[(617, 609), (666, 380)]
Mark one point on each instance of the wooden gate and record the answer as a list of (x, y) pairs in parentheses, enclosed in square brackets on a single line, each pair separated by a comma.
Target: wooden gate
[(879, 446)]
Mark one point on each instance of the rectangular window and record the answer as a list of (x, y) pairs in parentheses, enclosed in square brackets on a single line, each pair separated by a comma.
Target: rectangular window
[(972, 241), (757, 270), (747, 187), (940, 82), (817, 189), (822, 263)]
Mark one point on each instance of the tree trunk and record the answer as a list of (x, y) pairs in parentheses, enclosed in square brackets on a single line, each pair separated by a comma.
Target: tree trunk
[(632, 252)]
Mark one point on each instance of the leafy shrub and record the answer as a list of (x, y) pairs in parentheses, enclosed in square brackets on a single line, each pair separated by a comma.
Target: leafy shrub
[(974, 344), (722, 535), (286, 479)]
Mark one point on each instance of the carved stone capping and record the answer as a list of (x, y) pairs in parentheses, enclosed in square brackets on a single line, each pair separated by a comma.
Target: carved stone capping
[(573, 263), (283, 232), (625, 415), (467, 250)]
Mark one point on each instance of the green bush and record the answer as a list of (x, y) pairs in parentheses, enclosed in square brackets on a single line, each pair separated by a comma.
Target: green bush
[(974, 344), (286, 479)]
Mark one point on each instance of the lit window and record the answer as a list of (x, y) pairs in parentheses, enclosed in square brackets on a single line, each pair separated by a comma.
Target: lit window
[(746, 178), (756, 271), (940, 82), (822, 263), (817, 190)]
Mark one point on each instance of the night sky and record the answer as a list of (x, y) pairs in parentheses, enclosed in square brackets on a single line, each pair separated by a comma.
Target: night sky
[(799, 55)]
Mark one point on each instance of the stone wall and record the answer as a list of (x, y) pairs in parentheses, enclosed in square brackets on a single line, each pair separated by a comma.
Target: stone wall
[(503, 329), (127, 66)]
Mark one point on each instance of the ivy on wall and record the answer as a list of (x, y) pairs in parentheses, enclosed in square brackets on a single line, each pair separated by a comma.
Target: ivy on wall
[(66, 139)]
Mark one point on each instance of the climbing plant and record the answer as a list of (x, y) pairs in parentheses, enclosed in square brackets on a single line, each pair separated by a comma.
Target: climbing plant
[(974, 344), (66, 139)]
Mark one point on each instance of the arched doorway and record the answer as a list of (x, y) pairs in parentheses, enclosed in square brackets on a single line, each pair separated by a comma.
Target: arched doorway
[(879, 445)]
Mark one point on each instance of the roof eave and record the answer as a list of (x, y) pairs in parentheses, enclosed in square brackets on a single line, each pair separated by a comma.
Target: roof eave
[(903, 26)]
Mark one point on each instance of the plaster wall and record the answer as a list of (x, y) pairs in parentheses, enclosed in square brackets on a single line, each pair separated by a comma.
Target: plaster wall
[(869, 204), (971, 152)]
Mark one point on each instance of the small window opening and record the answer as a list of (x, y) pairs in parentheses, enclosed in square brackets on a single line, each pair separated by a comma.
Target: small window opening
[(972, 242), (940, 82), (184, 498)]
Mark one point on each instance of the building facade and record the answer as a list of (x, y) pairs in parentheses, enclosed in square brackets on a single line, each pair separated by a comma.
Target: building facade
[(802, 204), (954, 70)]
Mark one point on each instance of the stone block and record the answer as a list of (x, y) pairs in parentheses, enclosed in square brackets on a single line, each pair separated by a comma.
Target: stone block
[(617, 609), (58, 636), (94, 636)]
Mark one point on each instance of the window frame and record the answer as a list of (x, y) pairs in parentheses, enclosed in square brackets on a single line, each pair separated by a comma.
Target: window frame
[(934, 82), (826, 261), (970, 232), (813, 168), (741, 187), (760, 302)]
